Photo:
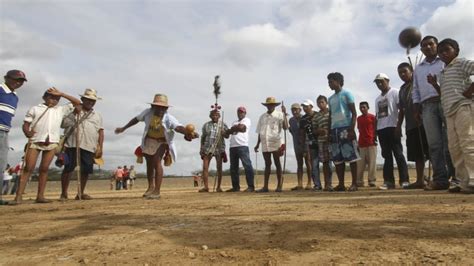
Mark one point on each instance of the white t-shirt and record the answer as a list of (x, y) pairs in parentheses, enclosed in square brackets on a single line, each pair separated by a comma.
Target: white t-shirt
[(239, 139), (49, 124), (386, 109), (7, 176)]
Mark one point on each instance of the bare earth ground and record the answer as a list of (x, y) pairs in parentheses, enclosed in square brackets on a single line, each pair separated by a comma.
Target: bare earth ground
[(186, 227)]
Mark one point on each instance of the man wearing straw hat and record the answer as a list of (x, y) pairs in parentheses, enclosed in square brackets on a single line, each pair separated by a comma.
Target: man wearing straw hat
[(14, 79), (91, 139), (157, 140), (269, 127)]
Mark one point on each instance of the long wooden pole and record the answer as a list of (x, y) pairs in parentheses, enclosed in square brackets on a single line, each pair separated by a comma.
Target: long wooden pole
[(78, 159)]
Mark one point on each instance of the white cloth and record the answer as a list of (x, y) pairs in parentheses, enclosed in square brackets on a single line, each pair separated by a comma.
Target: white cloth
[(239, 139), (168, 122), (88, 130), (50, 123), (7, 176), (269, 128), (386, 109)]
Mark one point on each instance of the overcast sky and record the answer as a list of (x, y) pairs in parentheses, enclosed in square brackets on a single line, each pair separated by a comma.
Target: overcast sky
[(131, 50)]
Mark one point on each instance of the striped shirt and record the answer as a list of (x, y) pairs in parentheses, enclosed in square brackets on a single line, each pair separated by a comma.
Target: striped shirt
[(322, 121), (454, 80), (8, 104), (209, 136), (422, 90)]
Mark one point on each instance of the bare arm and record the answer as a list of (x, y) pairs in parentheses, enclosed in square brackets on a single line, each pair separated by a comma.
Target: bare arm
[(131, 123), (75, 101), (100, 146)]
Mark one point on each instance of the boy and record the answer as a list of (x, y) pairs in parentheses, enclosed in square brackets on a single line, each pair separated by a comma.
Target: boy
[(42, 126), (322, 130), (342, 119), (457, 90), (213, 145), (386, 109), (417, 146), (307, 127), (366, 124), (269, 127), (301, 150)]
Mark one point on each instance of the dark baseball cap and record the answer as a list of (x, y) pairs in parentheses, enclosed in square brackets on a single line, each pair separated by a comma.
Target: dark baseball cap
[(16, 74)]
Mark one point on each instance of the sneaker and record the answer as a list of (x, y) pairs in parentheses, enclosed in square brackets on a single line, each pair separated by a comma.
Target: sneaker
[(250, 189), (385, 187), (328, 189), (405, 185), (454, 189), (436, 186), (416, 185), (317, 188)]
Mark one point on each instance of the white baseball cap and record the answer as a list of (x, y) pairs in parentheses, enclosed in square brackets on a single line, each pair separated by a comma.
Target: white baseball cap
[(307, 102), (381, 76)]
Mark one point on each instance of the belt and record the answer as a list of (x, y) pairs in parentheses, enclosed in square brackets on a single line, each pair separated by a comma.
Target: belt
[(434, 99)]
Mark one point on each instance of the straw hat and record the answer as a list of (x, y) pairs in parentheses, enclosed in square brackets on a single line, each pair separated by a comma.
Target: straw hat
[(271, 101), (90, 94), (160, 100)]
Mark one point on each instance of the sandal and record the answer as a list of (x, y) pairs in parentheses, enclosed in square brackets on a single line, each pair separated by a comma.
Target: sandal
[(340, 188), (203, 190), (43, 200), (84, 197), (297, 188), (262, 190), (153, 196), (352, 188), (219, 189)]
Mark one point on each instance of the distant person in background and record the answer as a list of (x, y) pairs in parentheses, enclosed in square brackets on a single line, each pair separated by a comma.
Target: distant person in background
[(300, 148), (386, 109), (416, 143), (119, 178), (133, 176), (7, 177), (14, 79), (126, 177), (16, 172), (91, 142), (42, 126), (367, 126)]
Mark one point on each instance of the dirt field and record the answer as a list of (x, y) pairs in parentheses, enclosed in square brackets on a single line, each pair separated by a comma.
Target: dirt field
[(186, 227)]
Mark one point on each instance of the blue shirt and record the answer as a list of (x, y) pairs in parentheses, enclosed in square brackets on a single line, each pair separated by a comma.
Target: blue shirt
[(422, 90), (8, 105), (341, 115)]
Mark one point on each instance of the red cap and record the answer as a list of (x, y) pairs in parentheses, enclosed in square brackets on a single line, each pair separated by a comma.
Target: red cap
[(242, 109), (16, 74)]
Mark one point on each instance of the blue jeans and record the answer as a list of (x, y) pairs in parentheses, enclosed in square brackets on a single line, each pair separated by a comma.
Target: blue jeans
[(3, 155), (242, 153), (436, 135), (392, 144), (315, 175)]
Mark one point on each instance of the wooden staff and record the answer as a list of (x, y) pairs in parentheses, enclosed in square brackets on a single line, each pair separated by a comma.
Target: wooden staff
[(78, 159)]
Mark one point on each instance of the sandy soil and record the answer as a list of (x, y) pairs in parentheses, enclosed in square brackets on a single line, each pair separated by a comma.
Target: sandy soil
[(186, 227)]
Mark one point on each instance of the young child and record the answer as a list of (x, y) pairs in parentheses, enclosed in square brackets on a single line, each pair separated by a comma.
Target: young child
[(416, 143), (213, 146), (366, 124), (322, 131), (42, 126), (269, 128), (157, 139), (301, 150), (457, 90), (342, 119)]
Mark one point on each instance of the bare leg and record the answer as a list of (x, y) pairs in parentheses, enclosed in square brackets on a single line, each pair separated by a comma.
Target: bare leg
[(327, 173), (340, 168), (276, 159), (46, 159), (353, 166), (309, 169), (205, 171), (150, 173), (299, 171), (64, 184), (268, 166), (158, 158), (30, 163)]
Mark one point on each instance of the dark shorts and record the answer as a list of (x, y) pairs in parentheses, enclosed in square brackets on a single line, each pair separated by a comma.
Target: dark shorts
[(415, 138), (342, 148), (87, 161)]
